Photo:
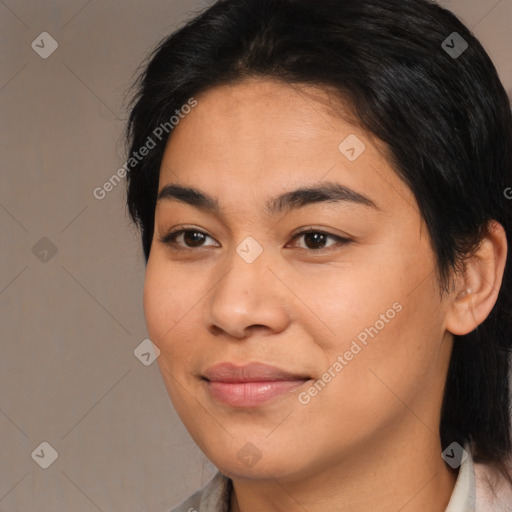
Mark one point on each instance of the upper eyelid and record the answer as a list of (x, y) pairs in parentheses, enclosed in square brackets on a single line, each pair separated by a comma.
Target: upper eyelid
[(180, 229)]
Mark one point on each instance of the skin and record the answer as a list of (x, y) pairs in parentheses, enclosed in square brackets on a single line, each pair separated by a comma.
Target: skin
[(369, 440)]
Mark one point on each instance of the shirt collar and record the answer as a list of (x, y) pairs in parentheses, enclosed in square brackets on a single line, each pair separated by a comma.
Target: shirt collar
[(463, 497)]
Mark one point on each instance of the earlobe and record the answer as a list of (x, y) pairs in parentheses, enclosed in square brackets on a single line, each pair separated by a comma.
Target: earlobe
[(477, 289)]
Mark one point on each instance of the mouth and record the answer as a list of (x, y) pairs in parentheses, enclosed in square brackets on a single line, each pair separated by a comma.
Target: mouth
[(250, 385)]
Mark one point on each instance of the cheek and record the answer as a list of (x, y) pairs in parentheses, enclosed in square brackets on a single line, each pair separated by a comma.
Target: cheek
[(344, 303), (398, 363), (169, 313), (164, 303), (156, 303), (393, 372), (173, 305), (387, 332)]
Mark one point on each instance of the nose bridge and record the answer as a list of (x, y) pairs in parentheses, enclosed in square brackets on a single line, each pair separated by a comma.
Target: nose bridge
[(247, 264), (248, 293)]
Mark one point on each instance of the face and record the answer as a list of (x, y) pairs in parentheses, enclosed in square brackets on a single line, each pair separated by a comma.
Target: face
[(338, 297)]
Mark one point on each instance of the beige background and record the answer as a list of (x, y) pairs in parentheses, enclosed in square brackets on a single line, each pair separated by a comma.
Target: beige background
[(68, 374)]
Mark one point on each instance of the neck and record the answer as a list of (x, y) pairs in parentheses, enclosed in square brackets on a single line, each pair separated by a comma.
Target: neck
[(410, 477)]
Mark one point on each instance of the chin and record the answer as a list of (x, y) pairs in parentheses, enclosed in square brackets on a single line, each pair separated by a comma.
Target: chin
[(251, 463)]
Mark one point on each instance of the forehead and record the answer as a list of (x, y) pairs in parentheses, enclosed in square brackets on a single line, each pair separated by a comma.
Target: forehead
[(257, 138)]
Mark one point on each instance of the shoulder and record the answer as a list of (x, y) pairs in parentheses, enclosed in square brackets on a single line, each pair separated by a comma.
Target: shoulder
[(214, 496)]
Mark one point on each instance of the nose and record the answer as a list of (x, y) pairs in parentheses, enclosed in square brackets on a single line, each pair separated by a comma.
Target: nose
[(249, 297)]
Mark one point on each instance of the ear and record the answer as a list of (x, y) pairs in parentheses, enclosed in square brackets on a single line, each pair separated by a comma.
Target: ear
[(476, 290)]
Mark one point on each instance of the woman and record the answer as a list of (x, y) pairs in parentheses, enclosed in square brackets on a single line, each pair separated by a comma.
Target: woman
[(321, 189)]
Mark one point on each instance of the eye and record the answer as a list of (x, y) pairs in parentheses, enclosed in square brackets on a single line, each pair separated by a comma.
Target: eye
[(191, 236), (315, 240)]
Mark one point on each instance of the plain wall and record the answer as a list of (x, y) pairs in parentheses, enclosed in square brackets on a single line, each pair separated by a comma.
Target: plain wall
[(71, 320)]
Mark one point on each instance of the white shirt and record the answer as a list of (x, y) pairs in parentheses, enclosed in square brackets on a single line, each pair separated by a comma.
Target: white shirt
[(463, 498), (470, 494)]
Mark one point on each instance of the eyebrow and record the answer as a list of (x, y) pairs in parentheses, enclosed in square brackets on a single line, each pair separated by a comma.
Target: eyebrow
[(293, 199)]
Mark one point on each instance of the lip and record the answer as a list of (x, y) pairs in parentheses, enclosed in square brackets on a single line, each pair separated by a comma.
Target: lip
[(252, 372), (250, 385)]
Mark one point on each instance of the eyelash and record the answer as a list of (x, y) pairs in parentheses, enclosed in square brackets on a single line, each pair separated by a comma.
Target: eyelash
[(169, 239)]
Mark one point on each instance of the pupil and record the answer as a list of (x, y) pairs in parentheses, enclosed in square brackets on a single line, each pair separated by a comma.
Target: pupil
[(317, 236), (190, 240)]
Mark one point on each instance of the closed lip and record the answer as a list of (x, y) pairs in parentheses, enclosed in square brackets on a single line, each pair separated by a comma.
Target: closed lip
[(252, 372)]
